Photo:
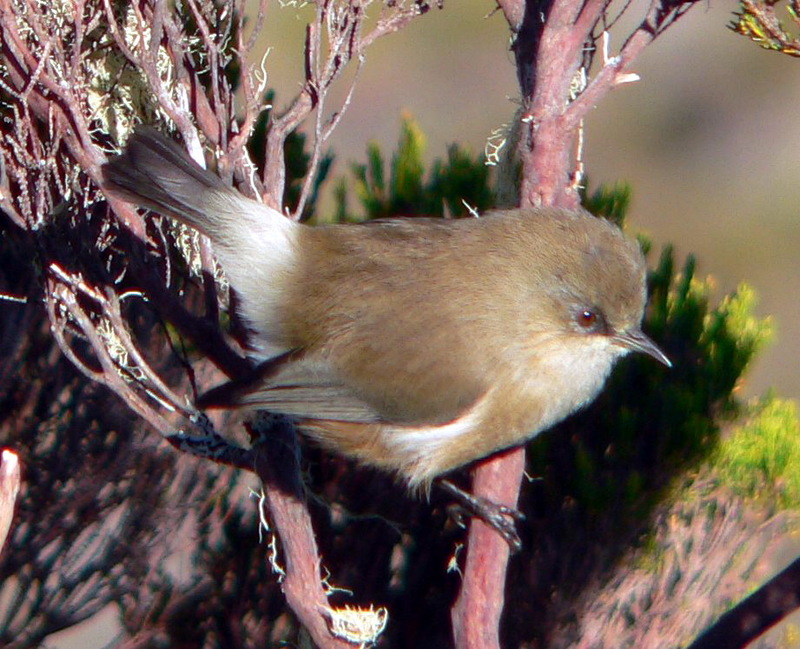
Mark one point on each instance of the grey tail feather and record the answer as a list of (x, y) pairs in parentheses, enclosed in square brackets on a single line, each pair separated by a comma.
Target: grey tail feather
[(154, 172)]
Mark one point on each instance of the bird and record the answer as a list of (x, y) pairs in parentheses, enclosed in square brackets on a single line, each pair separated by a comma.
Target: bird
[(414, 345)]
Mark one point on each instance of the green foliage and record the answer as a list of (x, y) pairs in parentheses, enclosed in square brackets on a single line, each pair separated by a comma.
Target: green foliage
[(406, 189), (459, 179), (758, 20), (761, 457), (714, 346), (611, 203)]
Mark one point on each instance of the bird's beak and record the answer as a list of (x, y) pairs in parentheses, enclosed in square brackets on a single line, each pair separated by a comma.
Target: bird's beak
[(637, 341)]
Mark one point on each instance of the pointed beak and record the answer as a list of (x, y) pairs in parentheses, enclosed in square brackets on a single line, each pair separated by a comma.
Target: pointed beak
[(637, 341)]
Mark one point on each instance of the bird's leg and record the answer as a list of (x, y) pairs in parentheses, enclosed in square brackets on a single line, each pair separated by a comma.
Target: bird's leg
[(500, 518)]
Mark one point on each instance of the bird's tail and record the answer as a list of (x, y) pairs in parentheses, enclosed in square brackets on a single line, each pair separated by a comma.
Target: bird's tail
[(154, 172), (255, 244)]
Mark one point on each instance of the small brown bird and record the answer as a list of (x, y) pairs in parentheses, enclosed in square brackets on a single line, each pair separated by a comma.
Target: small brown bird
[(414, 345)]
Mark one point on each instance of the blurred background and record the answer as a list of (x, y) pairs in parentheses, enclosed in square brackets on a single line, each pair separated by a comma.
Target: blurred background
[(709, 138)]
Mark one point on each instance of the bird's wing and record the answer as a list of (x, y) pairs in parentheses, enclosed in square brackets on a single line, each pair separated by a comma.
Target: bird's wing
[(293, 384)]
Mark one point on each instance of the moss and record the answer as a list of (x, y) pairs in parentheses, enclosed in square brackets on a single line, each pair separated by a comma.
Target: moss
[(761, 457)]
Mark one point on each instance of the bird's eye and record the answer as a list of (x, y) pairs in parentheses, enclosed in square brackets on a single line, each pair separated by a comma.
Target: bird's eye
[(587, 318)]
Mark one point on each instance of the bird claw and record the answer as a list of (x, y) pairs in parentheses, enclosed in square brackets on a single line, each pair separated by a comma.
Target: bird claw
[(500, 518)]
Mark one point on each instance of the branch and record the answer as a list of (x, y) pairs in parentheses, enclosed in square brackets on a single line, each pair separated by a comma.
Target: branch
[(659, 17), (758, 21), (333, 39), (514, 12), (756, 614), (476, 613), (276, 461), (9, 488), (550, 49)]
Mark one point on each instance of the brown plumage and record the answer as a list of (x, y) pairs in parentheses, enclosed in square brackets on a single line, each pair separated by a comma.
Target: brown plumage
[(415, 345)]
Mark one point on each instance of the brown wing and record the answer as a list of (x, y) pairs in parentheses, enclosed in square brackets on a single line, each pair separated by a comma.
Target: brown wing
[(293, 384)]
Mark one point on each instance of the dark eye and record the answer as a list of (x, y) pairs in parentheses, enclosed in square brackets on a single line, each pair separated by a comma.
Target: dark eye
[(587, 319), (591, 321)]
